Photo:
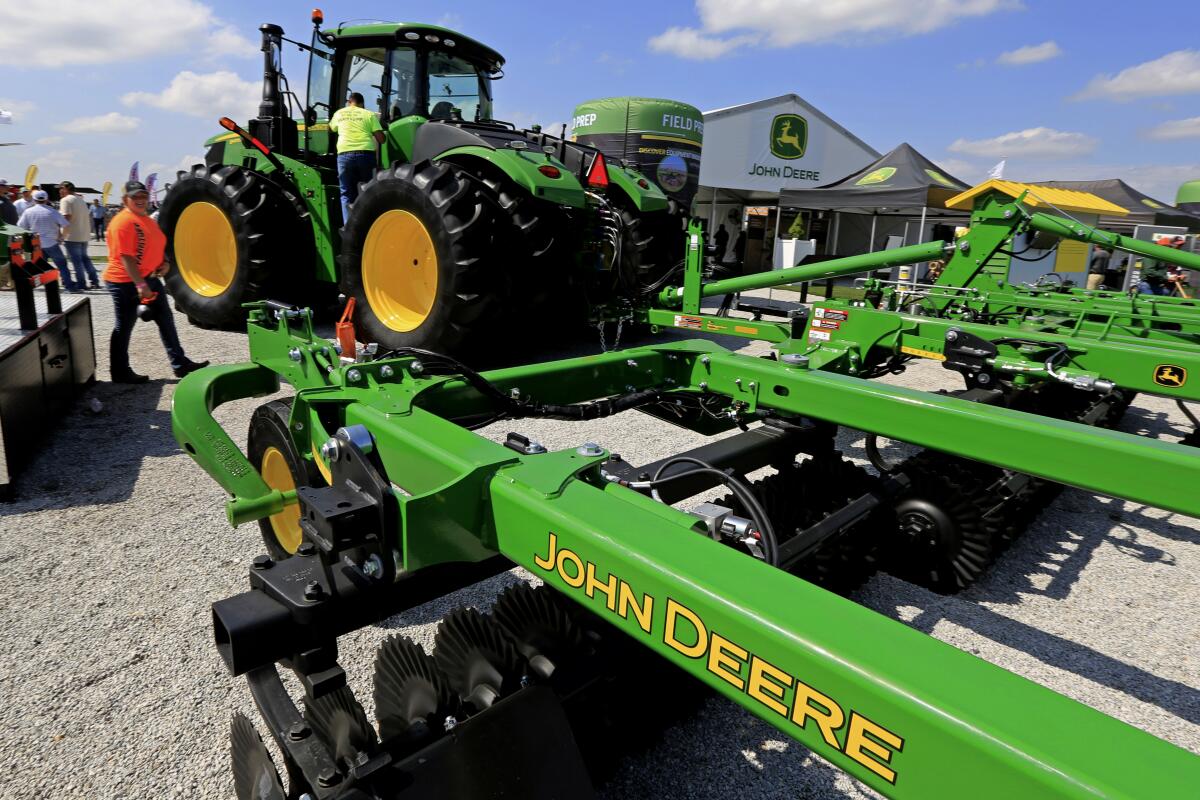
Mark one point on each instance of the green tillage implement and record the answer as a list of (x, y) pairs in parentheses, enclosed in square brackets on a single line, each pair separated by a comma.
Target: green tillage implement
[(1072, 338), (418, 505)]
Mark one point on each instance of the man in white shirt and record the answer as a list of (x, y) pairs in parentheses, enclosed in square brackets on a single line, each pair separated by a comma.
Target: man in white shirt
[(79, 231), (24, 201), (42, 219)]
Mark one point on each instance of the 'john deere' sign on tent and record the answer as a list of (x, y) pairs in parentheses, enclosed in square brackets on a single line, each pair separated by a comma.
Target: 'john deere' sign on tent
[(659, 138)]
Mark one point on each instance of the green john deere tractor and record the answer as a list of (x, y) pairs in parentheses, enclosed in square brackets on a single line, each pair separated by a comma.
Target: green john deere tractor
[(466, 219)]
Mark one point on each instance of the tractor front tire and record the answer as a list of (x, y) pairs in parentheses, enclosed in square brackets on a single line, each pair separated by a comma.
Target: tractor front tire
[(270, 448), (225, 226), (417, 259)]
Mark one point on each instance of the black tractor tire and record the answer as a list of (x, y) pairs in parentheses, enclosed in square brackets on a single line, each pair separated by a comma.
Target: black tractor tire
[(227, 230), (432, 218), (271, 451), (657, 245)]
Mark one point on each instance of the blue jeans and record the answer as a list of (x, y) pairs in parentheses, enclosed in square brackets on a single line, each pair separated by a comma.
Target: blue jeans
[(353, 169), (77, 252), (55, 254), (126, 302), (1144, 287), (98, 229)]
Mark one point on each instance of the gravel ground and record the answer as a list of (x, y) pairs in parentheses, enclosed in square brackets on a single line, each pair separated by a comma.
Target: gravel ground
[(117, 545)]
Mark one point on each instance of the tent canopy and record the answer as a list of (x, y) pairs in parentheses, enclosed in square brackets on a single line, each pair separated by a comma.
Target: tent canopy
[(902, 178), (1143, 209)]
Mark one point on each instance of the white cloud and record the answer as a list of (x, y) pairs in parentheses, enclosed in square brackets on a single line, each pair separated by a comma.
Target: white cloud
[(966, 171), (1174, 73), (780, 23), (55, 160), (691, 44), (1176, 129), (1030, 54), (1029, 143), (87, 32), (112, 122), (16, 107), (228, 42), (211, 94), (48, 140)]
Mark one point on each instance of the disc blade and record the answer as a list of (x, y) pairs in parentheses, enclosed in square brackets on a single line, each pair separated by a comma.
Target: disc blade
[(254, 773), (412, 698), (477, 658), (340, 722)]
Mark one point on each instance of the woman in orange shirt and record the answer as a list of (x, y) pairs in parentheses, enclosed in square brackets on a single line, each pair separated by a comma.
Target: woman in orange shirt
[(135, 264)]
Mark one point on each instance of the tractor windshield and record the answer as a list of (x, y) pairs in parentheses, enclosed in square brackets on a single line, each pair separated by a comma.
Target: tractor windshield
[(457, 83)]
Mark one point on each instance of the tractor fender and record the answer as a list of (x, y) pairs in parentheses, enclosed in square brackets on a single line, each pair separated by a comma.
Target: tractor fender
[(644, 199), (521, 166)]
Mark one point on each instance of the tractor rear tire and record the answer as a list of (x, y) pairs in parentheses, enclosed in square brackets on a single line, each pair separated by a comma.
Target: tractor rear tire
[(270, 448), (418, 259), (226, 227)]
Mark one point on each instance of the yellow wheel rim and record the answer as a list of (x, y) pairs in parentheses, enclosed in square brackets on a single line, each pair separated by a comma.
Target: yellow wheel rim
[(285, 524), (399, 270), (205, 249)]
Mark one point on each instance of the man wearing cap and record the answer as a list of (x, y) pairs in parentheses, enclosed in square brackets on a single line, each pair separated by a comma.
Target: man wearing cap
[(75, 209), (358, 132), (42, 219), (23, 202), (135, 264)]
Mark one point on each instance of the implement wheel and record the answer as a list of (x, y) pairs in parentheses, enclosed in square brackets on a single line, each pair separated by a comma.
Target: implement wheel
[(225, 226), (416, 256), (272, 452)]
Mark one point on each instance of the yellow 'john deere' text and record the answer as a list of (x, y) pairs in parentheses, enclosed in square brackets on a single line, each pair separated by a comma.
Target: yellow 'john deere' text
[(684, 631)]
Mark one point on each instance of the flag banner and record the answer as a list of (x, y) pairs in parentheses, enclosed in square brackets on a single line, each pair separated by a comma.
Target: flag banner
[(133, 172), (30, 176), (104, 193), (997, 171), (151, 179)]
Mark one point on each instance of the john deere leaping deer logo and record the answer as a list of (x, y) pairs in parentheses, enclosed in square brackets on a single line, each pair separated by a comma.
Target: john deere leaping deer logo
[(789, 136), (1170, 375)]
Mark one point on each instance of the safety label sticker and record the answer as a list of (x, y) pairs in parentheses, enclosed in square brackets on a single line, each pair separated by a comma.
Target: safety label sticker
[(815, 335), (688, 322), (827, 324), (831, 313)]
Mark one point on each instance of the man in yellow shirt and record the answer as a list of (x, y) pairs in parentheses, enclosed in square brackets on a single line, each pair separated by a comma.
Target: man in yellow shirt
[(358, 132)]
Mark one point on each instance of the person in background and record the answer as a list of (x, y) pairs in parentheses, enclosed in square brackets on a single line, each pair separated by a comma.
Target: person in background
[(1154, 278), (8, 212), (1098, 267), (98, 214), (358, 132), (47, 223), (135, 265), (24, 201), (78, 232), (721, 242)]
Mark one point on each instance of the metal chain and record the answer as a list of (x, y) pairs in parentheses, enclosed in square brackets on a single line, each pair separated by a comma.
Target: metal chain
[(617, 339)]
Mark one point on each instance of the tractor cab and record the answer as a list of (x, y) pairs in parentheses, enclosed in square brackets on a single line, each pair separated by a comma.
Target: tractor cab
[(408, 74)]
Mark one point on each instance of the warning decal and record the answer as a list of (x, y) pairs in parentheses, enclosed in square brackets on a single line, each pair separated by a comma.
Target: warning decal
[(688, 322), (831, 313)]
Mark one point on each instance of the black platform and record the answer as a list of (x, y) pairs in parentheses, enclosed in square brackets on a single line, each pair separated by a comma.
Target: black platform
[(42, 371)]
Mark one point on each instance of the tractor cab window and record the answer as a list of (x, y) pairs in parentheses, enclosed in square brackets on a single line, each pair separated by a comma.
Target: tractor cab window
[(402, 83), (364, 74), (320, 81), (456, 83)]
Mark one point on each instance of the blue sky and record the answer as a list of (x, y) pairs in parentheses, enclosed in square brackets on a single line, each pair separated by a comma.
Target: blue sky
[(1063, 90)]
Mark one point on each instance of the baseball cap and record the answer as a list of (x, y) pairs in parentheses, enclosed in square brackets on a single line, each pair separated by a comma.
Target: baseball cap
[(135, 187), (40, 196)]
